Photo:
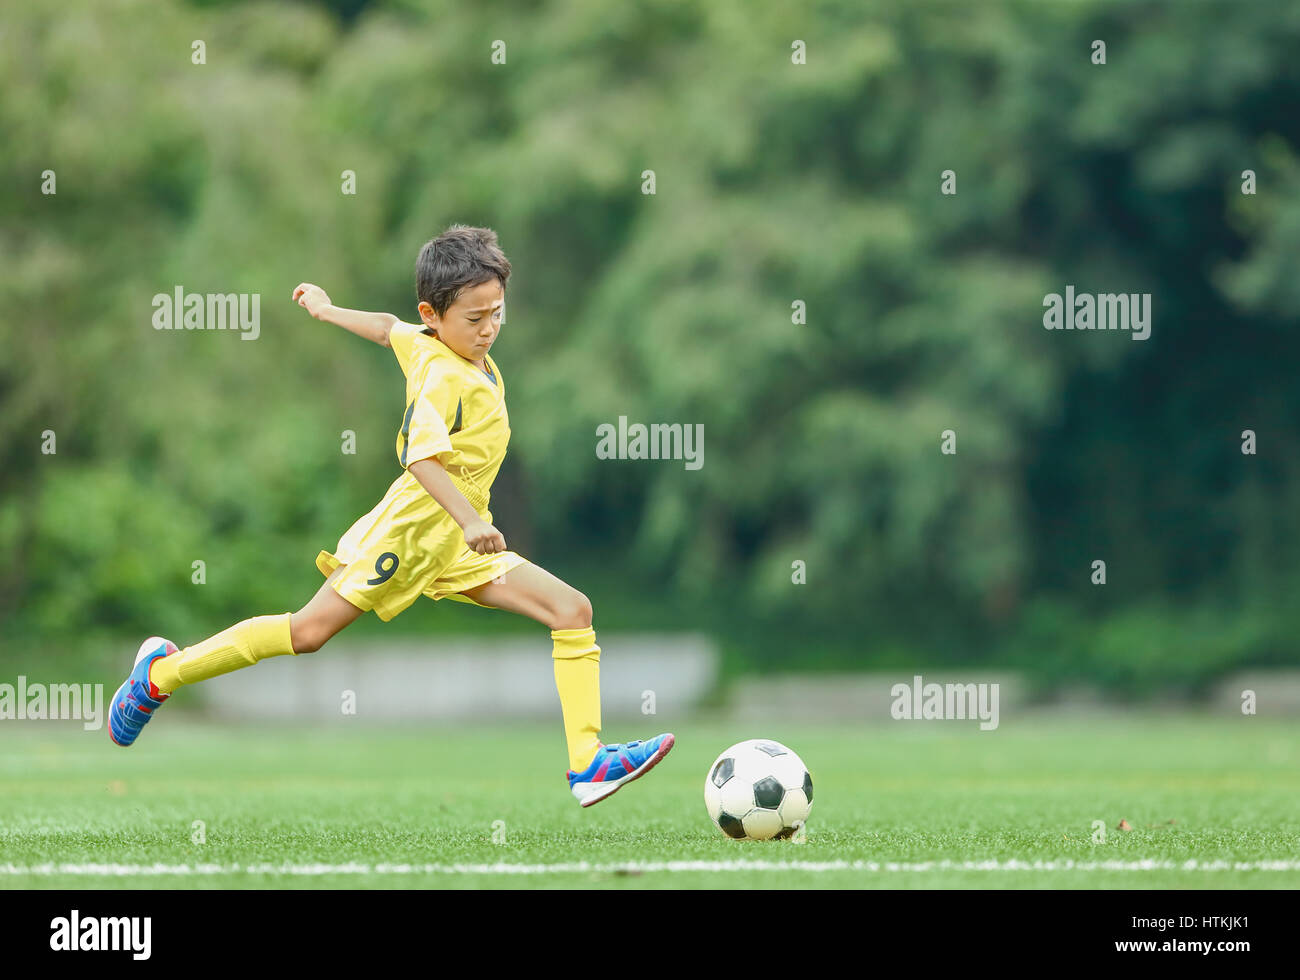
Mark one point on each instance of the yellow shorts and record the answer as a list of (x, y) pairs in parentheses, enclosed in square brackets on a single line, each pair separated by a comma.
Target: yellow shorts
[(408, 546)]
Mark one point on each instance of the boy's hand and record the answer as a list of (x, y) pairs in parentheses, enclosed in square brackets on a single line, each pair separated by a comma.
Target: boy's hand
[(484, 538), (311, 298)]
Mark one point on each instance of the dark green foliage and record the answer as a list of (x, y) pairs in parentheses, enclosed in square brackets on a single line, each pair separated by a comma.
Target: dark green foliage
[(775, 182)]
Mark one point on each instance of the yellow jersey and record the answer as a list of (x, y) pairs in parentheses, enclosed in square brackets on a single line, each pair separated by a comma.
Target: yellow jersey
[(454, 411), (408, 546)]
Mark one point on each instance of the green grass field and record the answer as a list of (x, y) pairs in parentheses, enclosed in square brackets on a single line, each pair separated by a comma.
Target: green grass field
[(292, 807)]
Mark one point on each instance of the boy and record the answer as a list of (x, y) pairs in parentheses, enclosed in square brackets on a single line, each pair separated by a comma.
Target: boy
[(432, 533)]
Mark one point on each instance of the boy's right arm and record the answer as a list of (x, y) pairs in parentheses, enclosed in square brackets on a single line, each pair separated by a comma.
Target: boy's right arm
[(480, 536), (372, 326)]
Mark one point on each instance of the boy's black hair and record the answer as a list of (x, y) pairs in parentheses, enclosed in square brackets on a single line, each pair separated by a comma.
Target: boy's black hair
[(458, 258)]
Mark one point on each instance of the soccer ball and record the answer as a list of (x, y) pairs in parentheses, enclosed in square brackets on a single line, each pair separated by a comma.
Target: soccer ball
[(758, 790)]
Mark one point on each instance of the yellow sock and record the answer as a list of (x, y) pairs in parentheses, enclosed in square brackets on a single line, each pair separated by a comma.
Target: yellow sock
[(577, 678), (243, 645)]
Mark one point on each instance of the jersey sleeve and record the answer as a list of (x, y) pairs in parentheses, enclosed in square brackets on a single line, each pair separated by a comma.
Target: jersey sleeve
[(431, 417), (400, 339)]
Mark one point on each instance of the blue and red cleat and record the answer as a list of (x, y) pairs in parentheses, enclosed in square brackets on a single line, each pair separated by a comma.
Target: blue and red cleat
[(134, 703), (615, 765)]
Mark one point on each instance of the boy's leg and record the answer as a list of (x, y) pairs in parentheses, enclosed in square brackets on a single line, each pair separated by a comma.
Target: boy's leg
[(259, 638), (326, 615), (536, 593)]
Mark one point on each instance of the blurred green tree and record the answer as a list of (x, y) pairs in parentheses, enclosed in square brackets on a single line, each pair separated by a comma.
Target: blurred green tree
[(776, 183)]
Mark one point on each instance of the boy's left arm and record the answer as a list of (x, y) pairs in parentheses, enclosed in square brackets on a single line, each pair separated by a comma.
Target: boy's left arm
[(377, 327)]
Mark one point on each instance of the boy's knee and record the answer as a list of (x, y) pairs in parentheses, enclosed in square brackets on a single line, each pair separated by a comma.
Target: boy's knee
[(307, 636), (573, 612)]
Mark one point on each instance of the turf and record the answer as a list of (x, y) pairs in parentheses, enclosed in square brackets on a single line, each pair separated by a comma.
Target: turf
[(903, 799)]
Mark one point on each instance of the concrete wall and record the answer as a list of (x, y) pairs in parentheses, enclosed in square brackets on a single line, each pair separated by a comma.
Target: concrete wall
[(471, 678), (476, 678)]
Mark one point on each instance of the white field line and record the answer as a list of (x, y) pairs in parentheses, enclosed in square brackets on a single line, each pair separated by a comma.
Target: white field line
[(634, 867)]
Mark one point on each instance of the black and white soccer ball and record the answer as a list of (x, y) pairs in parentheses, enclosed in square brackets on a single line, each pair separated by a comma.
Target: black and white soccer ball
[(758, 790)]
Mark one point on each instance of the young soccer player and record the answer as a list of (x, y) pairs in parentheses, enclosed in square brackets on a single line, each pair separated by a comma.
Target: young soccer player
[(432, 534)]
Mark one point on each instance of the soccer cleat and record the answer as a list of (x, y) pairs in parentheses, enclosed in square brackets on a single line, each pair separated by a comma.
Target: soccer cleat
[(615, 765), (134, 703)]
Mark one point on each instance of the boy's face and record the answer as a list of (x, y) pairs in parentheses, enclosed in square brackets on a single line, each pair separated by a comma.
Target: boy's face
[(472, 322)]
